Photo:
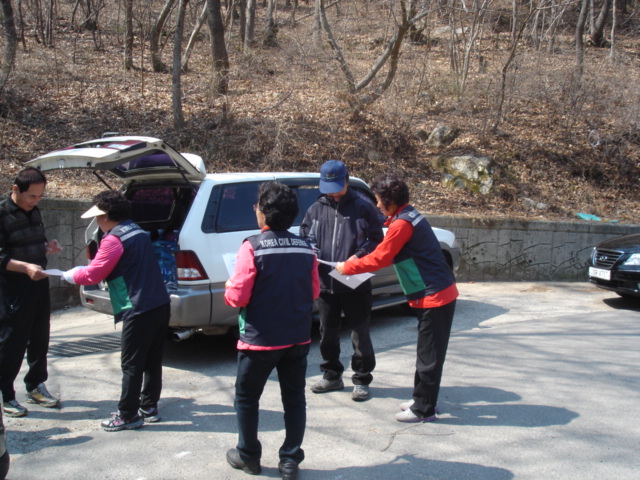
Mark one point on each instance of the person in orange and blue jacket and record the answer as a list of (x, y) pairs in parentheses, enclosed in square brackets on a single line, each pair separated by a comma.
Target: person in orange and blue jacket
[(426, 280), (274, 283)]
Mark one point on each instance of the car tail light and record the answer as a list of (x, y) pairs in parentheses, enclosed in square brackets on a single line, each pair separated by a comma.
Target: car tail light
[(188, 266)]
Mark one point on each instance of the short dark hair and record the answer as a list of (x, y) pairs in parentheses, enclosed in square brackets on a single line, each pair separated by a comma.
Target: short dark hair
[(279, 205), (27, 177), (391, 189), (114, 204)]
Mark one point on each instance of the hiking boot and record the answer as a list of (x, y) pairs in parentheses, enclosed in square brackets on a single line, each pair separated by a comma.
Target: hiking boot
[(360, 393), (288, 469), (117, 423), (233, 458), (41, 396), (150, 415), (325, 385), (407, 416), (13, 409)]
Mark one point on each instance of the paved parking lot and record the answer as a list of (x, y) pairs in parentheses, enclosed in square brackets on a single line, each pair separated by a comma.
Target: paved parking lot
[(541, 382)]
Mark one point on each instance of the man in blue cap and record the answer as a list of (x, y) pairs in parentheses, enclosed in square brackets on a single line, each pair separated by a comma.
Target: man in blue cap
[(342, 224)]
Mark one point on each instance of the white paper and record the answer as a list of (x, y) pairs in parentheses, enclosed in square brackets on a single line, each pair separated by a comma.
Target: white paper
[(54, 271), (230, 262), (353, 281), (331, 264)]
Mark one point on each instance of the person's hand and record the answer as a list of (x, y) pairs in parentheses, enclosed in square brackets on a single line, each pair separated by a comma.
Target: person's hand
[(35, 272), (68, 275), (54, 247), (340, 268), (227, 284)]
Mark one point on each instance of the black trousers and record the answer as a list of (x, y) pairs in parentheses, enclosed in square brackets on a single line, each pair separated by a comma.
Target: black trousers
[(434, 329), (254, 369), (143, 338), (25, 327), (357, 313)]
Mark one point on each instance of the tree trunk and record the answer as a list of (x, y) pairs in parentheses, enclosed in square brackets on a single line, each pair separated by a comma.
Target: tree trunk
[(317, 24), (176, 97), (192, 39), (11, 43), (614, 22), (218, 48), (128, 34), (271, 30), (250, 28), (156, 32), (597, 37), (580, 26)]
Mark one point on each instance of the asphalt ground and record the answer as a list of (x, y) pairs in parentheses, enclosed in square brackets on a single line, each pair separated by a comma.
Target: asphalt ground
[(541, 382)]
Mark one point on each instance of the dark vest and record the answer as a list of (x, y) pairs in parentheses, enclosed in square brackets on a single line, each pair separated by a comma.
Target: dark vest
[(279, 311), (135, 285), (420, 264)]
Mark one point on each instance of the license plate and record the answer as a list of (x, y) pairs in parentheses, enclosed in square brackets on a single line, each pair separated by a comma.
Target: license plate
[(600, 273)]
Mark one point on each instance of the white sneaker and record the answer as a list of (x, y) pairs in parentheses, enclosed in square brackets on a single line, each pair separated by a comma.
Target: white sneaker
[(407, 405), (407, 416)]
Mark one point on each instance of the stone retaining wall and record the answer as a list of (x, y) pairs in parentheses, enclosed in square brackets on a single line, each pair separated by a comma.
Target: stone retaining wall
[(492, 249)]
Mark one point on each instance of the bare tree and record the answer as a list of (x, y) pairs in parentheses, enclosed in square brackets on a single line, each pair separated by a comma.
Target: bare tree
[(176, 97), (597, 25), (317, 23), (362, 93), (465, 37), (11, 43), (614, 22), (507, 65), (156, 32), (194, 34), (128, 34), (218, 48), (271, 29), (250, 27), (580, 27)]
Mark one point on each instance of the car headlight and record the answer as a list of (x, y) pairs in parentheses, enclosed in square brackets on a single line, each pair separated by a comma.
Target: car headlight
[(633, 260)]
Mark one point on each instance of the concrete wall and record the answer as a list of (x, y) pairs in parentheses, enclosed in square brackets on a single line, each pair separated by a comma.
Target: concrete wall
[(516, 250), (492, 249), (62, 221)]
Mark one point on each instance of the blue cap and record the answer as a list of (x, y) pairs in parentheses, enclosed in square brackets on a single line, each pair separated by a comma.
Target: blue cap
[(333, 175)]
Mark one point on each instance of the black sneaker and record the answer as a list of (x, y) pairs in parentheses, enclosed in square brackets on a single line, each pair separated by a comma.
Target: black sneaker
[(325, 385), (233, 458), (117, 423), (150, 415)]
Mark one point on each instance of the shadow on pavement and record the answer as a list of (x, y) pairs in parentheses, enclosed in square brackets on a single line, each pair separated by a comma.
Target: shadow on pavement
[(624, 303), (409, 466)]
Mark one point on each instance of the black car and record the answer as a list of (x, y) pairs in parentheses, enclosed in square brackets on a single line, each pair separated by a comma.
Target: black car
[(615, 265)]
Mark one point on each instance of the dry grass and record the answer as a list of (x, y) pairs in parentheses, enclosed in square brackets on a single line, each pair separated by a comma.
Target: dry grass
[(573, 148)]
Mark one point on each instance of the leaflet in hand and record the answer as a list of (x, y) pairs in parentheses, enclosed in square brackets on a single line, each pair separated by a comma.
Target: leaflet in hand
[(230, 262), (353, 281), (54, 271)]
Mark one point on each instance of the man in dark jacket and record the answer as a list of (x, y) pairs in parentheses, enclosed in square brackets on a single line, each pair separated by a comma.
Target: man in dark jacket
[(24, 293), (342, 224)]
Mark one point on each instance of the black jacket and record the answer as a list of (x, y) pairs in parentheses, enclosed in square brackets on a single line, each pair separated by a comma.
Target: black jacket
[(337, 231)]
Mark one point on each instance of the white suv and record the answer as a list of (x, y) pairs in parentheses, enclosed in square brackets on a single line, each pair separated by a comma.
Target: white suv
[(197, 221)]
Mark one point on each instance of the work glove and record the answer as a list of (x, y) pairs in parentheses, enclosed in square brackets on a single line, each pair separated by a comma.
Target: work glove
[(68, 275)]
